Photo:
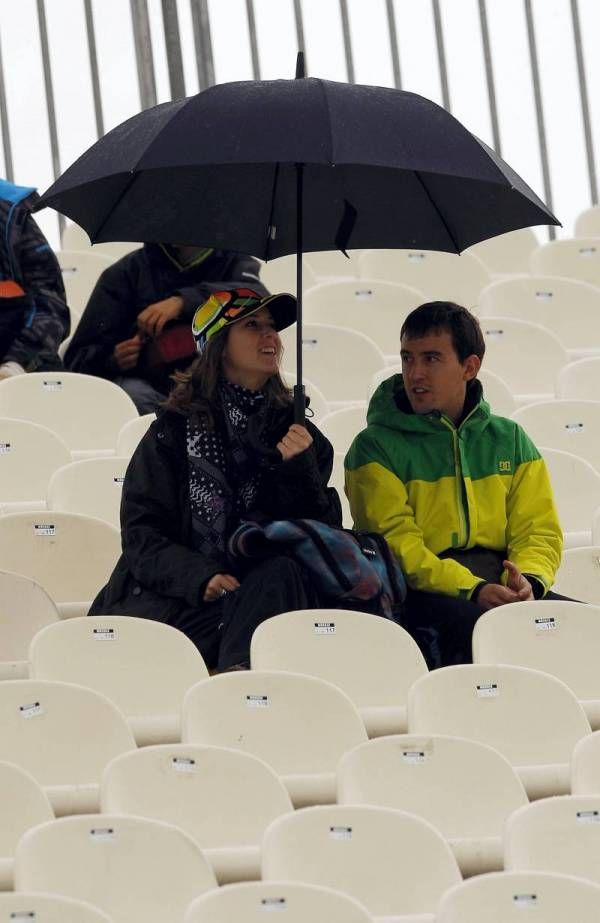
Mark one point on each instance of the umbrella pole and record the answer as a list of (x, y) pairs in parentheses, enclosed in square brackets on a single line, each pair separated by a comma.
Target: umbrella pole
[(299, 393)]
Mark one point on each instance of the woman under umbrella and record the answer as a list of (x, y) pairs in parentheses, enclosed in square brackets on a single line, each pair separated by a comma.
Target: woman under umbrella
[(223, 450)]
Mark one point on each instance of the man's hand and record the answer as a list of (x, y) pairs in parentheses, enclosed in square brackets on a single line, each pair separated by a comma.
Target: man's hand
[(9, 369), (127, 352), (152, 319), (296, 440), (494, 594), (518, 582), (219, 586)]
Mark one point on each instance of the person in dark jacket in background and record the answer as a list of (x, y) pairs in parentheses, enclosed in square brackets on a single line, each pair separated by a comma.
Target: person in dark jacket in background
[(225, 449), (34, 317), (134, 307)]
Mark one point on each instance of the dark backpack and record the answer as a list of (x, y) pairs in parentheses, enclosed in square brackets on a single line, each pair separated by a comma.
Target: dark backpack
[(353, 570)]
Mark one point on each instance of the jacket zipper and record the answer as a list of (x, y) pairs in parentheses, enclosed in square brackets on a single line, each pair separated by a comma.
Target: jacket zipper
[(463, 536)]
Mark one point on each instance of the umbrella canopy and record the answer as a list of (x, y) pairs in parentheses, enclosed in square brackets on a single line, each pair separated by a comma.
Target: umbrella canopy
[(382, 168)]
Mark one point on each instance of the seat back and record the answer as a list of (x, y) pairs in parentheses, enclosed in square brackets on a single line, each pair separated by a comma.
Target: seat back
[(579, 574), (561, 638), (372, 307), (588, 222), (567, 307), (530, 717), (337, 480), (249, 900), (23, 804), (91, 487), (585, 766), (339, 361), (578, 381), (333, 264), (526, 356), (136, 870), (145, 667), (373, 660), (67, 399), (29, 455), (505, 897), (570, 426), (81, 269), (318, 405), (131, 433), (463, 788), (507, 253), (48, 908), (43, 724), (575, 258), (343, 425), (219, 797), (445, 276), (392, 862), (574, 507), (70, 555), (25, 607), (497, 393), (560, 834), (279, 275), (295, 723)]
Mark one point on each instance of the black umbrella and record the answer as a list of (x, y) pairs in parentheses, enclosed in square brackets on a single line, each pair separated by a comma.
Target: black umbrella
[(291, 166)]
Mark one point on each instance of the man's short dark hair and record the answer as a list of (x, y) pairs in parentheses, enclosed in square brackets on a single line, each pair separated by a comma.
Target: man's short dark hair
[(445, 316)]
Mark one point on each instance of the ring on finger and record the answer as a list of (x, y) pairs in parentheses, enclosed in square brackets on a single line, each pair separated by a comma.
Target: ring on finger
[(223, 592)]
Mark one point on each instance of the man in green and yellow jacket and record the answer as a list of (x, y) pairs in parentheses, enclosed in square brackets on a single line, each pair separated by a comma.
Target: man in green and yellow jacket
[(462, 496)]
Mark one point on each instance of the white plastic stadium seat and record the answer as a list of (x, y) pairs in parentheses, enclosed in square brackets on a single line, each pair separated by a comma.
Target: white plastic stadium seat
[(568, 308), (392, 862), (570, 426), (332, 264), (131, 433), (588, 222), (25, 607), (578, 381), (579, 574), (136, 870), (331, 644), (29, 455), (464, 788), (74, 237), (575, 258), (555, 835), (372, 307), (297, 724), (561, 638), (253, 901), (497, 393), (343, 425), (574, 506), (381, 376), (64, 735), (339, 361), (86, 412), (526, 356), (23, 804), (92, 487), (223, 799), (114, 249), (441, 276), (532, 718), (585, 766), (145, 667), (81, 269), (279, 275), (71, 556), (48, 908), (511, 897), (506, 254)]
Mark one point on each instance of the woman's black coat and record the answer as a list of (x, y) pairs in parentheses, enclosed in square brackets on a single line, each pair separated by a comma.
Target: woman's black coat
[(159, 575)]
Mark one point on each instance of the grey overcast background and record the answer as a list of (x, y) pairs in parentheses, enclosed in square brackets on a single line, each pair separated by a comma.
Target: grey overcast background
[(19, 36)]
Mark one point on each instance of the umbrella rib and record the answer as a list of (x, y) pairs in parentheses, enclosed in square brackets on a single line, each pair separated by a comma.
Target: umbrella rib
[(439, 214), (271, 211)]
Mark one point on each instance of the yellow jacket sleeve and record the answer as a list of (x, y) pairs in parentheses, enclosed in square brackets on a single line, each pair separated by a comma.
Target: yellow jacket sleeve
[(379, 503)]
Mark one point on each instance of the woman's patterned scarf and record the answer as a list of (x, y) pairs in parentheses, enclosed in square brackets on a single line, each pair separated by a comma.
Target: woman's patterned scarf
[(224, 475)]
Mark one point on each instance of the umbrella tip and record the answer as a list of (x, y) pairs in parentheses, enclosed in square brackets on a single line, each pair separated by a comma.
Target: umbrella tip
[(300, 66)]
